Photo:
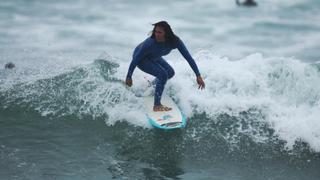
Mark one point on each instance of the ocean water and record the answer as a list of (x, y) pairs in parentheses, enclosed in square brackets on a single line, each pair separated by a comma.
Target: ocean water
[(66, 114)]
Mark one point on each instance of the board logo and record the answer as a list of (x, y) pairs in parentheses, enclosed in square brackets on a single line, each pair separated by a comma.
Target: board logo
[(165, 117)]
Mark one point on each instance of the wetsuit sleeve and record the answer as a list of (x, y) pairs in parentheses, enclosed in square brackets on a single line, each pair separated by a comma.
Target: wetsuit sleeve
[(137, 56), (185, 53)]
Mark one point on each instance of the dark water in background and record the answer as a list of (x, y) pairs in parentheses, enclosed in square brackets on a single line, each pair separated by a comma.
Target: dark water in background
[(65, 113)]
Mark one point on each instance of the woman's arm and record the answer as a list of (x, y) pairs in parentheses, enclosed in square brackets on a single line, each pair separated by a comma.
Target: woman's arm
[(185, 53), (138, 56)]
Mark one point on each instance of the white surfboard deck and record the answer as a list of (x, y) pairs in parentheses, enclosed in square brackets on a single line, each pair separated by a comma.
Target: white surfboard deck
[(172, 119)]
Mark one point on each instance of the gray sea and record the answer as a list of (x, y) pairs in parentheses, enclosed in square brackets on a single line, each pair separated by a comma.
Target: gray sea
[(65, 113)]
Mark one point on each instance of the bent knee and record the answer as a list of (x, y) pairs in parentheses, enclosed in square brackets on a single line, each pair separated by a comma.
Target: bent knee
[(163, 77), (171, 73), (166, 75)]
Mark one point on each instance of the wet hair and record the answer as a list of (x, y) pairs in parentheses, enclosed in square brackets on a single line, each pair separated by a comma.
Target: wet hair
[(169, 35)]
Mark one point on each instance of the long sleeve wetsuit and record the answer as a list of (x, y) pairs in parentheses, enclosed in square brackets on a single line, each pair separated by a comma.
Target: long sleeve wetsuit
[(148, 57)]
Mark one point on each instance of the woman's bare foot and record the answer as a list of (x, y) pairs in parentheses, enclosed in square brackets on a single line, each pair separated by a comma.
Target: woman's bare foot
[(161, 108)]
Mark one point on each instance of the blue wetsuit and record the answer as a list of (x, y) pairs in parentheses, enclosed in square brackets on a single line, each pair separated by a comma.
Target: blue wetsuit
[(148, 57)]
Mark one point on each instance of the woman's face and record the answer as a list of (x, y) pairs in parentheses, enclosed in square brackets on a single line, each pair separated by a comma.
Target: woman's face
[(159, 33)]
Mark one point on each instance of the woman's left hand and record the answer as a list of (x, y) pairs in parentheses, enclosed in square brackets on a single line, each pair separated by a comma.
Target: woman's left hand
[(200, 82)]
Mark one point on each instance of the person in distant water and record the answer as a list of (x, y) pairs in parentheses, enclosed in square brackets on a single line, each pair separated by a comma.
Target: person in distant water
[(148, 57), (9, 65), (249, 3)]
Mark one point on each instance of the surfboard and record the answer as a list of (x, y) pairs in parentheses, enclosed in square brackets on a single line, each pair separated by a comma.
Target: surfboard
[(172, 119)]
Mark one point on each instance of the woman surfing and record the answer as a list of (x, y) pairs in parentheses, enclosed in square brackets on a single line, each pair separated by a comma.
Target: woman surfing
[(148, 57)]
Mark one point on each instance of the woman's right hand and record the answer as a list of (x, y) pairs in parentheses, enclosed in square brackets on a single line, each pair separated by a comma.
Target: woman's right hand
[(129, 82)]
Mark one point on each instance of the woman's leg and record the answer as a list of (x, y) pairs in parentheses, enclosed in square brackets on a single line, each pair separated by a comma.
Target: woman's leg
[(162, 71), (162, 80)]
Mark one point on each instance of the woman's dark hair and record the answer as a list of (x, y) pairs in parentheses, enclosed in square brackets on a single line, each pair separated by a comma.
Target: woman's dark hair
[(170, 36)]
